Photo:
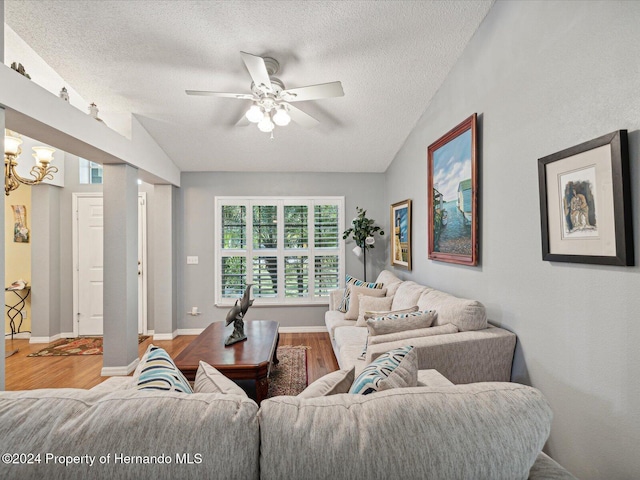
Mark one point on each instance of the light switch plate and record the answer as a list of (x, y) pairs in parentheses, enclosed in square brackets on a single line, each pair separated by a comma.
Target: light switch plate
[(192, 260)]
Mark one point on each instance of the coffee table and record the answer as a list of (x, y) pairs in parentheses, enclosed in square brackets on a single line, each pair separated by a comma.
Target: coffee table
[(250, 359)]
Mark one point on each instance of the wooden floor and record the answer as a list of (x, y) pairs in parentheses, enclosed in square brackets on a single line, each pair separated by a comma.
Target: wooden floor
[(83, 371)]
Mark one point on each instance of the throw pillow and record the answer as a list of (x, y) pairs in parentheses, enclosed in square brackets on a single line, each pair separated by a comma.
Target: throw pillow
[(344, 304), (400, 322), (369, 303), (381, 313), (397, 368), (158, 372), (331, 384), (354, 302), (210, 380)]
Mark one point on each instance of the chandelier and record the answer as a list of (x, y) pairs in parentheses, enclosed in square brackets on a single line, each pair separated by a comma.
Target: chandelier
[(42, 170)]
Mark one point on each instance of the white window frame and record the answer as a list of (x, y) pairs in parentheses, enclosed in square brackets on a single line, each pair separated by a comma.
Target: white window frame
[(280, 252)]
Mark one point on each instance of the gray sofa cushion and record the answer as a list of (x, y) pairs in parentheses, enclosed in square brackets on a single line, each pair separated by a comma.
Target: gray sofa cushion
[(407, 295), (390, 281), (465, 314), (133, 423), (351, 336), (334, 319), (480, 431)]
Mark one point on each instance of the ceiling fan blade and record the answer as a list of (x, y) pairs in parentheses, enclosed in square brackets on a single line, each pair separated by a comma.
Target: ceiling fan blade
[(301, 118), (258, 71), (313, 92), (206, 93)]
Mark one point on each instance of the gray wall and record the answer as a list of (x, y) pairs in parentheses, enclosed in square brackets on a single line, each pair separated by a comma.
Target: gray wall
[(544, 76), (198, 192)]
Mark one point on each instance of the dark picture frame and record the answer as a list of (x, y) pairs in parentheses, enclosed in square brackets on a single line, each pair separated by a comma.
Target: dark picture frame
[(401, 234), (452, 191), (585, 203)]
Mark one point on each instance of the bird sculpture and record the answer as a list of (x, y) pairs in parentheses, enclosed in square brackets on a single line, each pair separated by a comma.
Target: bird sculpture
[(236, 316)]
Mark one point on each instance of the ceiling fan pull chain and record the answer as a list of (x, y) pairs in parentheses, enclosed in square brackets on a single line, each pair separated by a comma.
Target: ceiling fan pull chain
[(271, 134)]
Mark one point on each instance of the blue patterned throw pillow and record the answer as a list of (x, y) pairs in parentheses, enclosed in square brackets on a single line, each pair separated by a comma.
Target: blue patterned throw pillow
[(158, 372), (393, 323), (344, 304), (397, 368)]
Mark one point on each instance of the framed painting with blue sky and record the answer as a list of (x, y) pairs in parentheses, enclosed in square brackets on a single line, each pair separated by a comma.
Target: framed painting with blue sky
[(452, 186), (401, 238)]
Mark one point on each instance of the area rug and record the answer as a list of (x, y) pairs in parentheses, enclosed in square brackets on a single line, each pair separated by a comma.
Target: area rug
[(76, 346), (289, 377)]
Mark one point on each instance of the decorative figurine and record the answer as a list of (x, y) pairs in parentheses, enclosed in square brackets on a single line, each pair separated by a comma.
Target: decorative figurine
[(93, 111), (64, 95), (20, 69), (236, 315)]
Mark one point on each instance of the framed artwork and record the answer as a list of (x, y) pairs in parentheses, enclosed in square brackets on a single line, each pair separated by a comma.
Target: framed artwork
[(452, 191), (401, 238), (585, 203), (20, 230)]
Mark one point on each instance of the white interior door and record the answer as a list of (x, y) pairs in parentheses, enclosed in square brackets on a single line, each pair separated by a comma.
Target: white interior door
[(89, 266), (88, 274)]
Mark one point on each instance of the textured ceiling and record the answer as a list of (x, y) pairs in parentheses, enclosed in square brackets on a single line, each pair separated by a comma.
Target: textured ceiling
[(139, 56)]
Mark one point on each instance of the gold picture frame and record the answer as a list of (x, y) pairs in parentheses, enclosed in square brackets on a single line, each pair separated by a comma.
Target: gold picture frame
[(401, 234)]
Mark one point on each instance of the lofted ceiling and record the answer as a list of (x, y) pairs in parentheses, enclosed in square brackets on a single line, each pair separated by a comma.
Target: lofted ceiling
[(139, 56)]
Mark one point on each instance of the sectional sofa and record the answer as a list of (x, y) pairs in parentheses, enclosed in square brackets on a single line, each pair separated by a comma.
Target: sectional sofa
[(481, 431), (461, 344)]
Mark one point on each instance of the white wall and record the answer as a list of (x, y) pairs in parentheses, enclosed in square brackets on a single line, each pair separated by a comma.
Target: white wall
[(198, 190), (544, 76)]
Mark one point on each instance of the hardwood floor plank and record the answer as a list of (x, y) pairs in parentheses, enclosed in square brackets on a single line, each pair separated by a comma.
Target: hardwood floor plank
[(83, 371)]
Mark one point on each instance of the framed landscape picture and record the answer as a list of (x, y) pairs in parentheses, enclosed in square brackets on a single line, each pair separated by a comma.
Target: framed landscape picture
[(401, 238), (452, 190), (585, 203)]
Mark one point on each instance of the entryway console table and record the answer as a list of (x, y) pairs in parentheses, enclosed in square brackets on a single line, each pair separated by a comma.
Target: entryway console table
[(17, 308)]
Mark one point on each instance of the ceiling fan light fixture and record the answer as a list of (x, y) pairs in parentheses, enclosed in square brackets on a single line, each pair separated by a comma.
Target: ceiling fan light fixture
[(266, 125), (281, 117), (254, 114)]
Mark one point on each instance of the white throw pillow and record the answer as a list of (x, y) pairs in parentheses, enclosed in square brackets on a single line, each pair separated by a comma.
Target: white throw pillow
[(210, 380), (381, 313), (400, 323), (369, 303), (354, 303), (331, 384)]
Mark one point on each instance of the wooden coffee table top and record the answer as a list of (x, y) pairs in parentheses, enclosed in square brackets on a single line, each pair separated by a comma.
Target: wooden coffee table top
[(246, 360)]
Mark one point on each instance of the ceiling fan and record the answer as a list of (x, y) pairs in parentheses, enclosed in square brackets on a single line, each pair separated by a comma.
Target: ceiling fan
[(271, 101)]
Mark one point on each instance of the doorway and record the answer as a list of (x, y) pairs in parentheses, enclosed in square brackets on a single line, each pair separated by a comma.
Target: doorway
[(88, 240)]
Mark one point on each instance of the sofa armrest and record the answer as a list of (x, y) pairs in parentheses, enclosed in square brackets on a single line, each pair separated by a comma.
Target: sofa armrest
[(545, 468), (335, 297), (464, 357)]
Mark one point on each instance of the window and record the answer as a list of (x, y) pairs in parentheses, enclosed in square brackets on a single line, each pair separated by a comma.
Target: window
[(289, 248), (89, 172)]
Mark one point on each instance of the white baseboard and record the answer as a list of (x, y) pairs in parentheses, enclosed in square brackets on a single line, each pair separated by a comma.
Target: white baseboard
[(18, 336), (44, 339), (119, 371), (68, 335), (165, 336), (318, 329), (190, 331)]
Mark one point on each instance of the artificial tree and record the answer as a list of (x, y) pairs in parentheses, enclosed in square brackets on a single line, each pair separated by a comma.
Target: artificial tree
[(362, 229)]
